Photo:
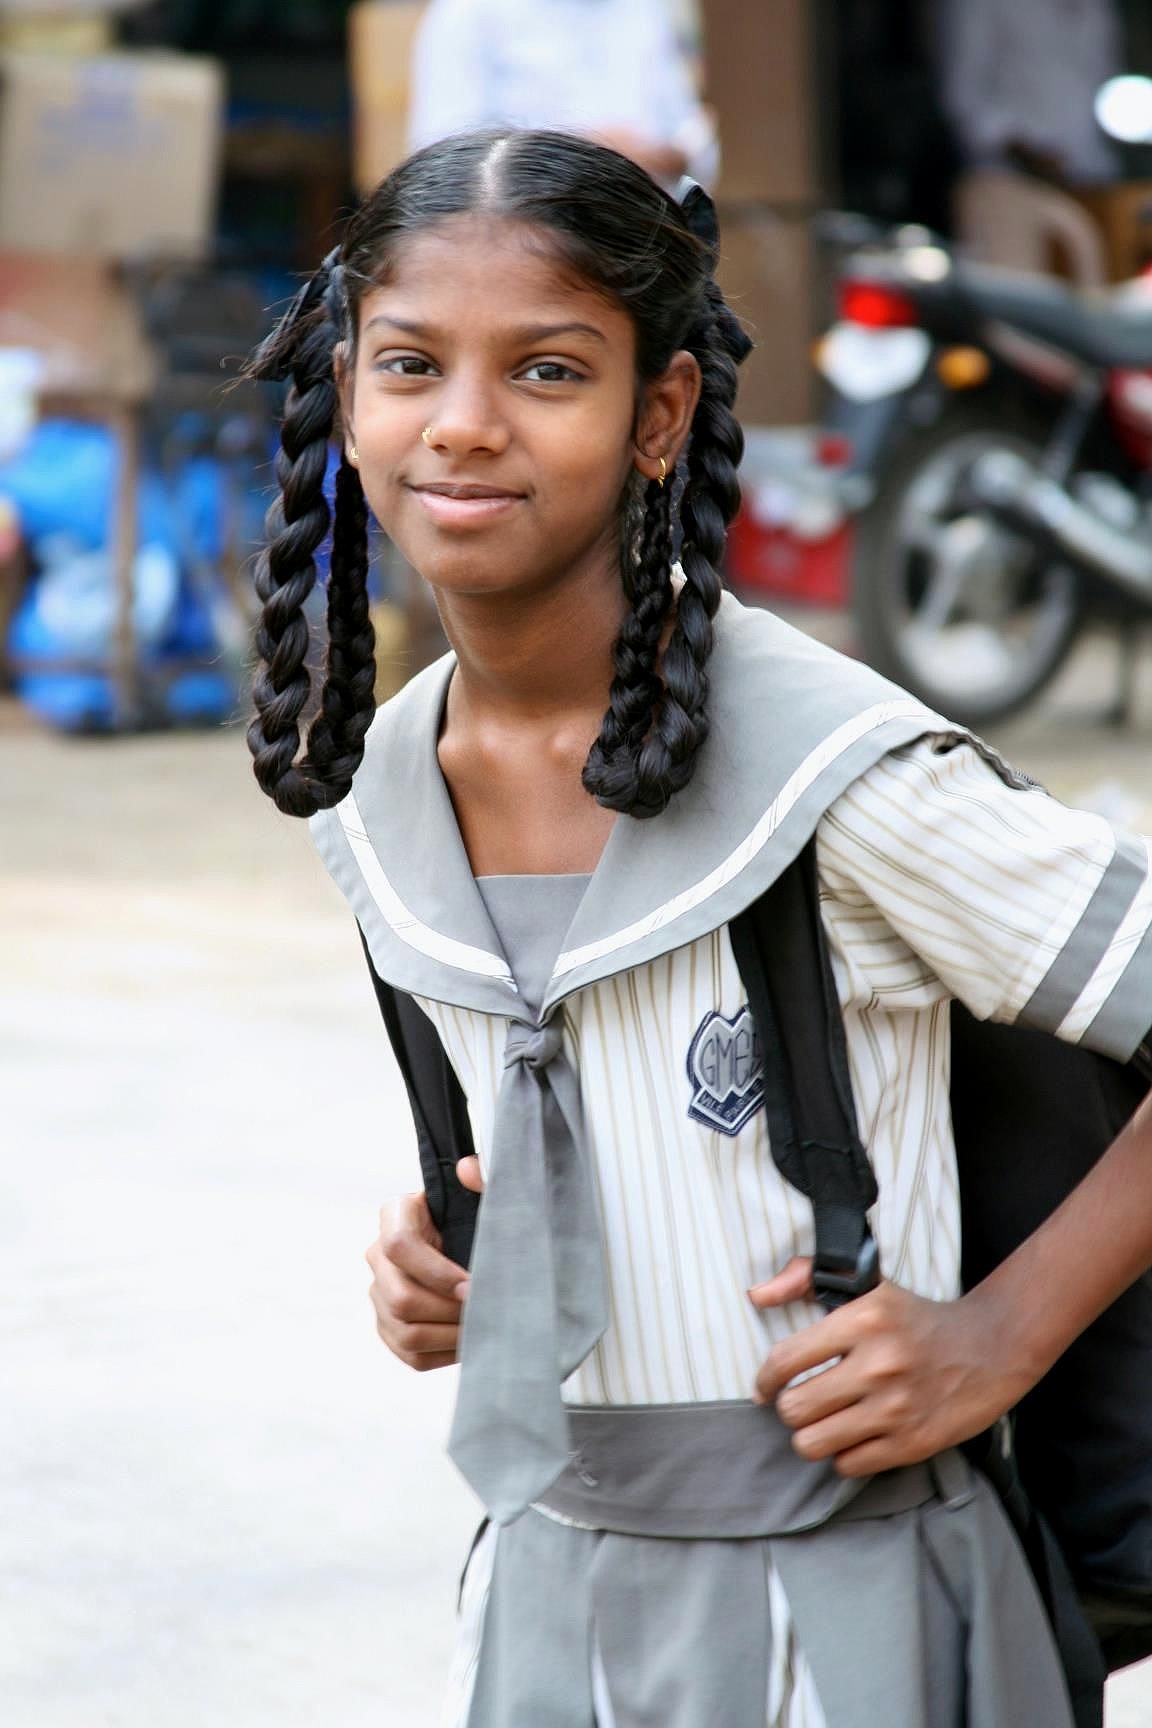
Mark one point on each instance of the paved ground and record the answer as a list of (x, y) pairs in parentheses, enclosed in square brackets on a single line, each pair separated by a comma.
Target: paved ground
[(221, 1502)]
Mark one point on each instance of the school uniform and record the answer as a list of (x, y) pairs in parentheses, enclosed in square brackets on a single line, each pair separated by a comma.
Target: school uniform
[(658, 1553)]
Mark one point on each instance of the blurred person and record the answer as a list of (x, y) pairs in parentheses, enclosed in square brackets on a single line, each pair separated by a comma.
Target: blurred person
[(1020, 83), (611, 69), (544, 839)]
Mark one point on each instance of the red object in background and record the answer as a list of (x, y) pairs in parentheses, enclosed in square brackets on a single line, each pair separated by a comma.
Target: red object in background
[(772, 559), (1130, 410), (877, 306), (1130, 392), (833, 449)]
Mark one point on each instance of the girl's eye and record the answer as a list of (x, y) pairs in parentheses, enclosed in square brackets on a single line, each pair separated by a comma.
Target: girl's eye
[(550, 372), (405, 365)]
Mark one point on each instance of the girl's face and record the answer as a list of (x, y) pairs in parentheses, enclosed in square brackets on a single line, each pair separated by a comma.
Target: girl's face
[(527, 381)]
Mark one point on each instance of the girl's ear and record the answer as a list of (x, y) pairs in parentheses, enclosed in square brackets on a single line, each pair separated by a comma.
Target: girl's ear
[(665, 416), (343, 373)]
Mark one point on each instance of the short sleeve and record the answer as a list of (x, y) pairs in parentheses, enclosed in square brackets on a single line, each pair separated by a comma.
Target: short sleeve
[(1027, 911)]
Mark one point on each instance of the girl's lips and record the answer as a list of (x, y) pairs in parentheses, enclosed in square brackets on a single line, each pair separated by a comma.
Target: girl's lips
[(465, 509)]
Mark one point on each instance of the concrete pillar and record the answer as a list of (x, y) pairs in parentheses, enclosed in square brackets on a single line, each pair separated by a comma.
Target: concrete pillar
[(761, 59)]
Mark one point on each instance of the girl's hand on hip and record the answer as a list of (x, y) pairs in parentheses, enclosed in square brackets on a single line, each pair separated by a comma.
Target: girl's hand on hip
[(905, 1377), (416, 1291)]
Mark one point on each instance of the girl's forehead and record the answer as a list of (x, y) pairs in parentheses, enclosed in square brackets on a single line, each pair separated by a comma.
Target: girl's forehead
[(500, 271)]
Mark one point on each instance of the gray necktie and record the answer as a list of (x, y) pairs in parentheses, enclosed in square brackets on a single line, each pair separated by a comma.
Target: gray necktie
[(536, 1304)]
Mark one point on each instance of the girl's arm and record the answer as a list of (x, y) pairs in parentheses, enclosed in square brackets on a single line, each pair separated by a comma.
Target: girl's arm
[(1031, 913), (916, 1376)]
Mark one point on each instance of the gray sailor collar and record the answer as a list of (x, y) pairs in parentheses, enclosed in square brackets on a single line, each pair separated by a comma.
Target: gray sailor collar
[(793, 724)]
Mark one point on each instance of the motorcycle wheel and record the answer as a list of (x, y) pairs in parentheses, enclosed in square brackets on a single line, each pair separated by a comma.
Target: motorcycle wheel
[(966, 614)]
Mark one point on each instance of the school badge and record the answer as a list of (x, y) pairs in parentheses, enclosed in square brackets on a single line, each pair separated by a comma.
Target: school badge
[(725, 1070)]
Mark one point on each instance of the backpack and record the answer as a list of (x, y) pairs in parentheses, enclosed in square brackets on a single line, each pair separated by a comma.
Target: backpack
[(1031, 1115)]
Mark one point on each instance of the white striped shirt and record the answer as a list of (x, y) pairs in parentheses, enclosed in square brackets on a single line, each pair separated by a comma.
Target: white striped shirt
[(936, 881)]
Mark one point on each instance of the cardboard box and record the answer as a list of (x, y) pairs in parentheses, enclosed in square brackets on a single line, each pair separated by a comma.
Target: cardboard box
[(760, 60), (67, 8), (1123, 214), (1012, 220), (61, 26), (381, 35), (109, 155), (74, 33), (767, 272), (79, 317)]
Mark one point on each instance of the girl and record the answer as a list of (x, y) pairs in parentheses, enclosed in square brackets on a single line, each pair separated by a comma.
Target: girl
[(544, 838)]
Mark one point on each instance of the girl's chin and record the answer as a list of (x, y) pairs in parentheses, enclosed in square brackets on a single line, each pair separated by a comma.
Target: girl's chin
[(496, 567), (471, 576)]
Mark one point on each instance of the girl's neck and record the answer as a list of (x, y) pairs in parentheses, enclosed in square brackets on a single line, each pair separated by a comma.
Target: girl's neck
[(538, 654), (526, 703)]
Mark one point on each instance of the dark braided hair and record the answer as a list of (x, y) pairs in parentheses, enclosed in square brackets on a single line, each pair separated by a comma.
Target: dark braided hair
[(654, 727), (711, 500), (617, 229), (302, 348)]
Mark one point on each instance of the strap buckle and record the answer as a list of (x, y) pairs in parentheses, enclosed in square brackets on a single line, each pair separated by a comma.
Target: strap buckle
[(837, 1280)]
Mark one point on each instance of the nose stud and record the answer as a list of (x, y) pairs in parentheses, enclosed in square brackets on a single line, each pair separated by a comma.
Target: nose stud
[(427, 436)]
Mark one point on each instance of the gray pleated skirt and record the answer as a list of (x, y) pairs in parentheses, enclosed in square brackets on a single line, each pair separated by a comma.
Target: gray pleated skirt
[(903, 1604)]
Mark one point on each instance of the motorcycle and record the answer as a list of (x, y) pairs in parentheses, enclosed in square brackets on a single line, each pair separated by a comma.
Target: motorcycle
[(998, 431)]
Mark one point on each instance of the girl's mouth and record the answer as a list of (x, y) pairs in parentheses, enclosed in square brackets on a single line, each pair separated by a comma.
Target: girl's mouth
[(463, 505)]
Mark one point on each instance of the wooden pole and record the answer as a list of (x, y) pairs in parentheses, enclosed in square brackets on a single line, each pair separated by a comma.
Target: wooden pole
[(762, 78), (124, 421)]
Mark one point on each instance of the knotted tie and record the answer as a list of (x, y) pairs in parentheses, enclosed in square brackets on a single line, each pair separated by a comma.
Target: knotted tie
[(536, 1303)]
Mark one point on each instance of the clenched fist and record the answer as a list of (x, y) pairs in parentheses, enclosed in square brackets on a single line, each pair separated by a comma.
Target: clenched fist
[(417, 1292), (902, 1377)]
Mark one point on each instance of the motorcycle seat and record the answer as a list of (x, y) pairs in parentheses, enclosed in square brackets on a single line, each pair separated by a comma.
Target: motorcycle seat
[(1112, 329)]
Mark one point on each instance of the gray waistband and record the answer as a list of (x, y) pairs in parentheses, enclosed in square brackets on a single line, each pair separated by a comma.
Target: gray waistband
[(719, 1470)]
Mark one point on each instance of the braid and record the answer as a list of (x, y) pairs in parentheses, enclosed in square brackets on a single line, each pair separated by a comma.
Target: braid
[(711, 500), (297, 523), (647, 747), (348, 699), (612, 772)]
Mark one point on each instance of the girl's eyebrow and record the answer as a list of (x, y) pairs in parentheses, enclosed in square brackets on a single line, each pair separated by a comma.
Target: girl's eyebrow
[(527, 333)]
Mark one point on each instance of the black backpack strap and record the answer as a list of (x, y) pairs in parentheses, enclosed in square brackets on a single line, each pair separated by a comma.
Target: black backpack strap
[(439, 1110), (1142, 1061), (783, 958)]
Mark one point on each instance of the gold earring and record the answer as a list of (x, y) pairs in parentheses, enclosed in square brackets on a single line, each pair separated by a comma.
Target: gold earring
[(427, 436), (353, 454), (663, 474)]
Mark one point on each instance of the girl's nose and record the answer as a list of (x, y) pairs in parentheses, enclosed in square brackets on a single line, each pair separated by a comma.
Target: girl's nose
[(467, 421)]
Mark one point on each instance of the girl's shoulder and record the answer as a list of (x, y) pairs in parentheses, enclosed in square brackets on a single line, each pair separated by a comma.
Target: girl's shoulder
[(794, 695), (1026, 909)]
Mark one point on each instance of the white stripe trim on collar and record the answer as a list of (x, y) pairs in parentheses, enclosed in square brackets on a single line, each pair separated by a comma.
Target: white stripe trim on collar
[(404, 923), (798, 782)]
